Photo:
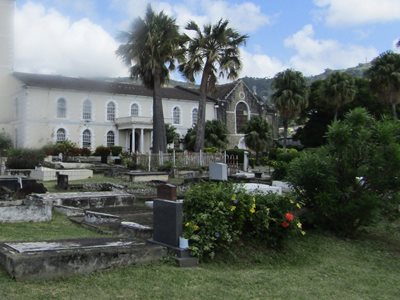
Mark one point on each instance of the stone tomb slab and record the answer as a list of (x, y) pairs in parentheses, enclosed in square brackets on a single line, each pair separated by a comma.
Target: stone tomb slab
[(85, 199), (62, 258)]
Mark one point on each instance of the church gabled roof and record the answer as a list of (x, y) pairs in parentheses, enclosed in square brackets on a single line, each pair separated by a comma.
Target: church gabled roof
[(96, 85), (221, 91)]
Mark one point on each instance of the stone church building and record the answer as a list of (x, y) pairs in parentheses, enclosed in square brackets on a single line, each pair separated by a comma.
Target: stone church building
[(37, 109)]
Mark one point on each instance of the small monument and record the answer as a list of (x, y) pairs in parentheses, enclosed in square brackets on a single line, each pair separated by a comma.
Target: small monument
[(168, 224), (218, 171)]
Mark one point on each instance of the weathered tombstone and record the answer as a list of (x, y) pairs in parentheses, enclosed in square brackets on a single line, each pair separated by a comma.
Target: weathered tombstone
[(62, 181), (2, 167), (218, 171), (167, 192), (245, 161), (167, 222)]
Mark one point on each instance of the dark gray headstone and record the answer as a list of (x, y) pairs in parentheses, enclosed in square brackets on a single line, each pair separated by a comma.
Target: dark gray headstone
[(62, 181), (167, 221)]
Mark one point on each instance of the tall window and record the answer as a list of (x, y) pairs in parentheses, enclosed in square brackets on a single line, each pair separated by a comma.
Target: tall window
[(134, 110), (86, 139), (195, 113), (61, 108), (242, 116), (61, 135), (176, 115), (111, 111), (87, 110), (110, 138)]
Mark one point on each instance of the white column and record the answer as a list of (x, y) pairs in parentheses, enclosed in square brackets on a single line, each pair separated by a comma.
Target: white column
[(133, 140), (141, 140)]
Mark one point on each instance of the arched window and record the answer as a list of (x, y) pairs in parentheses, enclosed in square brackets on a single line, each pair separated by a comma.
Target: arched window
[(195, 113), (134, 110), (61, 108), (176, 115), (86, 139), (242, 116), (87, 110), (111, 111), (61, 135), (110, 138)]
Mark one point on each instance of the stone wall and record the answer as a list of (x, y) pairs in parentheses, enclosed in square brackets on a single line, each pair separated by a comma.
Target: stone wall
[(25, 213)]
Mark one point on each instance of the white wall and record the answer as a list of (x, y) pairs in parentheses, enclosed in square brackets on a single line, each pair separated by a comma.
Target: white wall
[(42, 122)]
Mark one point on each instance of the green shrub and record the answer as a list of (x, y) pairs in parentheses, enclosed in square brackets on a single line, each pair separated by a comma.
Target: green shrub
[(102, 151), (352, 179), (280, 165), (25, 158), (5, 143), (67, 148), (116, 150), (214, 216), (210, 150), (166, 167), (270, 223), (85, 152), (219, 214)]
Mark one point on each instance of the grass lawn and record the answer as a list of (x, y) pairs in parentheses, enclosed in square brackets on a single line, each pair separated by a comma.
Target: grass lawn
[(317, 266)]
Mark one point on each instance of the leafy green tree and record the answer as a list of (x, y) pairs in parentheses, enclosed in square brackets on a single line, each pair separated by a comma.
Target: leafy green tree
[(152, 45), (5, 143), (338, 89), (384, 76), (352, 179), (172, 135), (215, 132), (257, 135), (289, 97), (213, 53)]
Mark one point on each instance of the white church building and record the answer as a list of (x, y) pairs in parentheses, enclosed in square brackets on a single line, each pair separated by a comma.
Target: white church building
[(37, 109)]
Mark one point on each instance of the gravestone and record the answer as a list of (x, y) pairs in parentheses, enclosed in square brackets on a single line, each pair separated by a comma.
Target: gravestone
[(167, 192), (218, 171), (167, 222), (62, 181)]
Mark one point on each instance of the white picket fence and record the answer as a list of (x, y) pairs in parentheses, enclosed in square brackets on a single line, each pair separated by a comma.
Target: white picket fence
[(185, 159)]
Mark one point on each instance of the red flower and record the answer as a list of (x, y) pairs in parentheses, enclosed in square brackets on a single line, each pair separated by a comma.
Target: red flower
[(289, 217), (285, 224)]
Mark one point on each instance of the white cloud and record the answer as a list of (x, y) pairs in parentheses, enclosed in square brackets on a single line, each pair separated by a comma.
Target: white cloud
[(354, 12), (259, 65), (313, 55), (48, 42), (245, 17)]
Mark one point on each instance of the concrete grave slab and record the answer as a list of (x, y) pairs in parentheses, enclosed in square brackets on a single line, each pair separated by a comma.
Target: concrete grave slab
[(85, 199), (62, 258)]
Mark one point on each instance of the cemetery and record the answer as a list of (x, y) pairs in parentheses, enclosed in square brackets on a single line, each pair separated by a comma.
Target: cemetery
[(161, 216), (142, 230)]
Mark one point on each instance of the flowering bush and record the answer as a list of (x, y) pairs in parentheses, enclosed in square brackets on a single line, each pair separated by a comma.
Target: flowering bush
[(218, 214), (215, 214), (274, 219)]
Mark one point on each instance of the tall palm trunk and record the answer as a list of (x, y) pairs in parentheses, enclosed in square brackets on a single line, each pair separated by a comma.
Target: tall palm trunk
[(394, 111), (159, 135), (285, 131), (201, 121)]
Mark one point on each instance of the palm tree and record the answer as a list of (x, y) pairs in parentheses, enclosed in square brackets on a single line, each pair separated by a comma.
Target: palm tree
[(216, 135), (384, 76), (290, 97), (150, 49), (337, 90), (257, 135), (213, 52)]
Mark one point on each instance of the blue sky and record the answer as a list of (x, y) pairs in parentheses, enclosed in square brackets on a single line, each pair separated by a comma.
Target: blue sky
[(78, 37)]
